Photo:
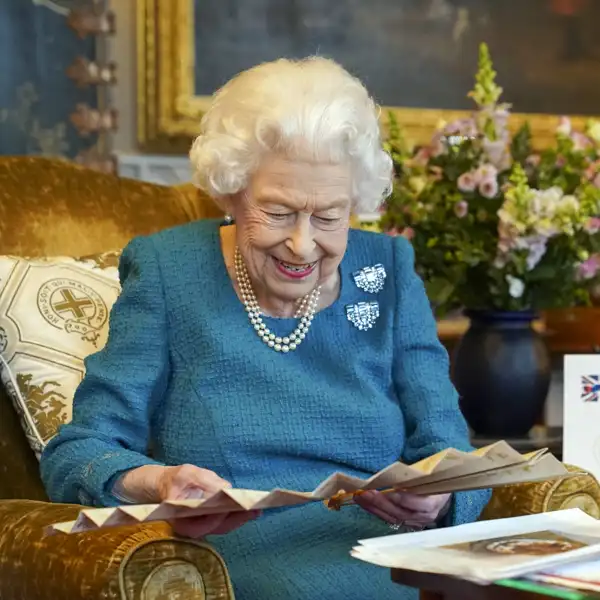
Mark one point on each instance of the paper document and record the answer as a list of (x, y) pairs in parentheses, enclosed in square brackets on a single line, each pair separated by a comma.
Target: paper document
[(446, 472), (487, 551), (581, 576)]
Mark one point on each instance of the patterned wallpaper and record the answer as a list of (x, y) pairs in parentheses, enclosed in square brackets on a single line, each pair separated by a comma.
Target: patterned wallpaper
[(36, 95)]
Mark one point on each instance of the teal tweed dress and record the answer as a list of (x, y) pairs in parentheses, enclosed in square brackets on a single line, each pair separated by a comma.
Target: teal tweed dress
[(184, 379)]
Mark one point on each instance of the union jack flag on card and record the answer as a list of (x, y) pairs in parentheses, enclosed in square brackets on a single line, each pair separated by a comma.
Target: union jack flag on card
[(590, 388), (581, 434)]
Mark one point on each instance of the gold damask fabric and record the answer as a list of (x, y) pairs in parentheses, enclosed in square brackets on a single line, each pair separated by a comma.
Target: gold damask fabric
[(50, 207), (580, 491), (100, 564)]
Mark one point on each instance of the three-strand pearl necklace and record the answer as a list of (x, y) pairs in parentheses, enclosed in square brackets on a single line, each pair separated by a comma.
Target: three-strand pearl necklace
[(307, 307)]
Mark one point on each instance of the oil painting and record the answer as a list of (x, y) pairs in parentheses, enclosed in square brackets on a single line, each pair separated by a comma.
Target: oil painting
[(415, 53), (417, 57)]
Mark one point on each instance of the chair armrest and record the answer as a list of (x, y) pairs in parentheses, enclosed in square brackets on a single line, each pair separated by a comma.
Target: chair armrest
[(132, 562), (579, 491)]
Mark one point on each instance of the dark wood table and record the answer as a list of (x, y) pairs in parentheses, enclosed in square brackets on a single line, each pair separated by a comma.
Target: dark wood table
[(440, 587)]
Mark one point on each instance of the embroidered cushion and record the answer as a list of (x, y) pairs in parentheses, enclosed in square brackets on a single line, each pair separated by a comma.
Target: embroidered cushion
[(53, 312)]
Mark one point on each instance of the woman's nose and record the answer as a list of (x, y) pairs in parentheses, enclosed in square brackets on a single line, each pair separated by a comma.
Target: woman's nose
[(301, 241)]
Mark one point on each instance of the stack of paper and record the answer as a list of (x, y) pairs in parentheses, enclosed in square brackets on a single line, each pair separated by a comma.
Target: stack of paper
[(580, 576), (488, 551), (445, 472)]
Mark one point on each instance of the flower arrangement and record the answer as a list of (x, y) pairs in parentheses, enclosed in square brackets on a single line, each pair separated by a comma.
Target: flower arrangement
[(495, 224)]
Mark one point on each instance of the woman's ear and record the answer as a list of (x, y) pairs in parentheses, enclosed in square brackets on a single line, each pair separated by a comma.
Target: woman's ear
[(228, 204)]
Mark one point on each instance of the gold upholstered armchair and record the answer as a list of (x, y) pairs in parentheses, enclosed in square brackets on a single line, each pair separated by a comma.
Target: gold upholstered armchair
[(52, 208)]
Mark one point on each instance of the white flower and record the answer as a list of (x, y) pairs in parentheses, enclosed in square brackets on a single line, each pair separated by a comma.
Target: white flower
[(569, 203), (500, 261), (552, 195), (487, 171), (564, 126), (537, 249), (516, 287)]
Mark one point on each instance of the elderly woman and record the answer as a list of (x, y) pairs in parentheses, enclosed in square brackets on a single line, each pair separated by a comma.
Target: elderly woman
[(272, 350)]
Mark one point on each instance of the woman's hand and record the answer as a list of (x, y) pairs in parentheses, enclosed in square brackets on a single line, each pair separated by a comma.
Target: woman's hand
[(401, 508), (154, 483)]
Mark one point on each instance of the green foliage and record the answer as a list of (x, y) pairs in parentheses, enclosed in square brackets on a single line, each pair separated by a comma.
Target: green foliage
[(486, 92)]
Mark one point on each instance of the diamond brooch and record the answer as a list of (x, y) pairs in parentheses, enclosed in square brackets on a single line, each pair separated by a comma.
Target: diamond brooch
[(370, 279), (363, 314)]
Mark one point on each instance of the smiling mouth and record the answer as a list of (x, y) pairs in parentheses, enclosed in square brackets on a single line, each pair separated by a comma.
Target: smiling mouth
[(294, 269)]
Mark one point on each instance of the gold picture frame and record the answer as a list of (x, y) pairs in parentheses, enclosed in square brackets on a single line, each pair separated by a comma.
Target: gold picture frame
[(169, 111)]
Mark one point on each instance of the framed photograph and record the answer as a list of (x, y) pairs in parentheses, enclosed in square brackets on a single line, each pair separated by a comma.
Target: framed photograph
[(417, 57)]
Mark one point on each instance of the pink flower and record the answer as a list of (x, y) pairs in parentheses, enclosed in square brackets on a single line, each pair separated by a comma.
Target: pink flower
[(467, 182), (597, 180), (421, 158), (462, 127), (488, 187), (593, 225), (437, 146), (589, 268), (461, 209), (593, 169), (497, 153), (561, 161), (580, 141)]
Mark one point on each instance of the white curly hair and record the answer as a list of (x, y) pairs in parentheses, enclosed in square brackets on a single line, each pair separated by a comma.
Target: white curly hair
[(310, 109)]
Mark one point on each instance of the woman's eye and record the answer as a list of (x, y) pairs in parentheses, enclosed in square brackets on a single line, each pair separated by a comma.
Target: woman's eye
[(277, 216), (328, 219)]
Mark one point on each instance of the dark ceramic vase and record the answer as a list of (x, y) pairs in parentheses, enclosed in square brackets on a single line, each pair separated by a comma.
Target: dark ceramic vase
[(502, 371)]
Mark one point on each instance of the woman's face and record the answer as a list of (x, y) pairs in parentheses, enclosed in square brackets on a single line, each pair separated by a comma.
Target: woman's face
[(292, 226)]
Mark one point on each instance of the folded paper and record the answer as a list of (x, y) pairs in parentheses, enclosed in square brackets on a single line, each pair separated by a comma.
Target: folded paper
[(448, 471)]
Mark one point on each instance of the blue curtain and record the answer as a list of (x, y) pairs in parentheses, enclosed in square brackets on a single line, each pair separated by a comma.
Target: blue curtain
[(36, 95)]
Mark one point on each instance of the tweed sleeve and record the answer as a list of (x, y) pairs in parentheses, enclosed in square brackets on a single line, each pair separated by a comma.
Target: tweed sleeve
[(427, 397), (110, 429)]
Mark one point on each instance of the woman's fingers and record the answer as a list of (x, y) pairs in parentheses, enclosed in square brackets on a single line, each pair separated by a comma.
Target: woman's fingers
[(398, 507), (220, 524), (189, 481), (422, 504), (382, 506)]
